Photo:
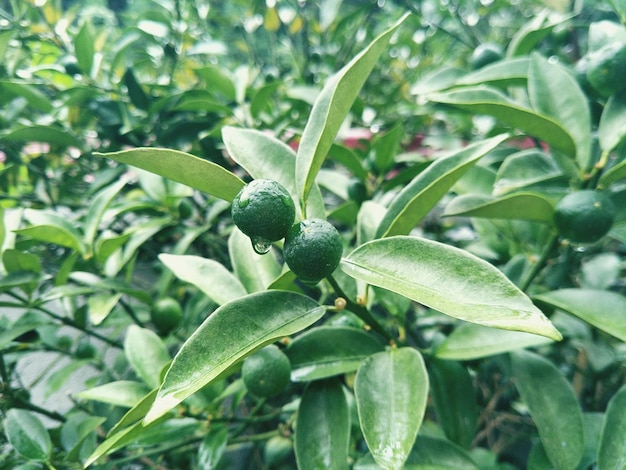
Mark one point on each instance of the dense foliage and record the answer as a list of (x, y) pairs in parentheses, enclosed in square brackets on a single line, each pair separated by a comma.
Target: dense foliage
[(464, 327)]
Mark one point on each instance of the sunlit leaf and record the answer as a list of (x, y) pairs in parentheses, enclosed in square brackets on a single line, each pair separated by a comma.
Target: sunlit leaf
[(522, 206), (449, 280), (125, 393)]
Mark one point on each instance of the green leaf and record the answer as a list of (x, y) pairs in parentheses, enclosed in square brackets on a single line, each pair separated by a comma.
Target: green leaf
[(391, 389), (556, 414), (39, 133), (523, 169), (503, 73), (385, 147), (83, 45), (455, 403), (256, 272), (97, 208), (126, 393), (612, 127), (523, 206), (182, 167), (254, 321), (470, 341), (52, 228), (612, 449), (264, 156), (146, 353), (327, 351), (27, 434), (322, 427), (137, 96), (75, 432), (532, 32), (211, 277), (437, 80), (485, 100), (212, 447), (554, 92), (330, 109), (428, 453), (217, 80), (449, 280), (614, 174), (426, 190), (101, 305), (15, 261), (35, 97), (603, 309)]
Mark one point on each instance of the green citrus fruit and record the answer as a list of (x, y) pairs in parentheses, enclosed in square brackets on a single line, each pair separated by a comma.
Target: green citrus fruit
[(584, 216), (85, 350), (267, 372), (357, 191), (312, 250), (607, 68), (485, 54), (166, 314), (264, 211)]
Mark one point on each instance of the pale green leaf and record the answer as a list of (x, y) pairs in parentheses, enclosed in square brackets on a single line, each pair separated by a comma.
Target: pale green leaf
[(52, 228), (211, 277), (603, 309), (449, 280), (612, 127), (39, 133), (330, 109), (426, 190), (146, 353), (503, 73), (97, 208), (391, 390), (523, 206), (182, 167), (256, 272), (100, 305), (230, 333), (126, 393), (556, 415), (322, 427), (27, 434), (28, 91), (525, 168)]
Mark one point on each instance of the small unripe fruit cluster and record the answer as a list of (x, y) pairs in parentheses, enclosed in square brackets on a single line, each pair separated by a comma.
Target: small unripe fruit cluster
[(264, 211)]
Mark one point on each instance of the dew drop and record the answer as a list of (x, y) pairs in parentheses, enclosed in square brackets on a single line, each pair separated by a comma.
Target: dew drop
[(261, 246)]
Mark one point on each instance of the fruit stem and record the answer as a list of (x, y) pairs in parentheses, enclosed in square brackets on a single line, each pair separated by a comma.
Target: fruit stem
[(541, 262), (360, 311)]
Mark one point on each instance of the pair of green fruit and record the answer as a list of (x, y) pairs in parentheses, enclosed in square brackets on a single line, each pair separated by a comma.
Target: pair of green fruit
[(265, 212)]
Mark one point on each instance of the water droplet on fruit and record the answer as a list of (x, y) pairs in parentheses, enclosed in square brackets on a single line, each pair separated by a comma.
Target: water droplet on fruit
[(261, 246)]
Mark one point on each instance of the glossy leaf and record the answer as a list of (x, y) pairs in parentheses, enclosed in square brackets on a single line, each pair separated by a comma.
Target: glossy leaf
[(256, 272), (327, 351), (427, 189), (125, 393), (485, 100), (428, 453), (146, 353), (211, 277), (612, 127), (554, 92), (449, 280), (556, 415), (612, 449), (455, 403), (603, 309), (523, 206), (264, 156), (503, 73), (27, 434), (322, 427), (212, 447), (258, 319), (523, 169), (97, 208), (39, 133), (330, 109), (471, 341), (391, 390), (182, 167), (52, 228)]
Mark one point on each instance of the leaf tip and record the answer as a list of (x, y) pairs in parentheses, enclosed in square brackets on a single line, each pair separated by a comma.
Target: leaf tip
[(161, 405)]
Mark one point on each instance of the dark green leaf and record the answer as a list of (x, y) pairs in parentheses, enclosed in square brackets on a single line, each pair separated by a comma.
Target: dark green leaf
[(322, 427), (35, 97), (427, 189), (257, 319), (612, 450), (212, 447), (449, 280), (136, 93), (14, 261), (329, 350), (556, 414), (183, 168)]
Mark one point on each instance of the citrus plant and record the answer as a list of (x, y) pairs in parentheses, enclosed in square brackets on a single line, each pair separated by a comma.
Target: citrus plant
[(370, 251)]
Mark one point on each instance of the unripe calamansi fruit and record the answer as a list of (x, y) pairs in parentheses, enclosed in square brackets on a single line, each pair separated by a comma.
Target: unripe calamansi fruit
[(584, 216)]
